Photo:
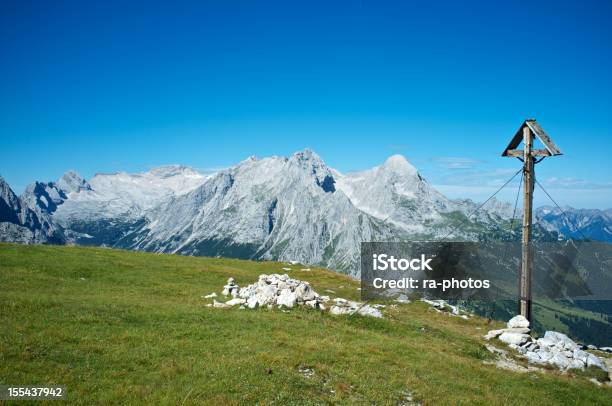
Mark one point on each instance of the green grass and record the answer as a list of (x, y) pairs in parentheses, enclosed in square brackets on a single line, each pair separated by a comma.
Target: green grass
[(119, 327)]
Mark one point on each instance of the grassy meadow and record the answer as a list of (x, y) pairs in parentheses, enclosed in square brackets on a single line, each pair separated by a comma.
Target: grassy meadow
[(120, 327)]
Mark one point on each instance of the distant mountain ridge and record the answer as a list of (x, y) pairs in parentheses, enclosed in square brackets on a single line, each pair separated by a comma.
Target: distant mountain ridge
[(284, 208)]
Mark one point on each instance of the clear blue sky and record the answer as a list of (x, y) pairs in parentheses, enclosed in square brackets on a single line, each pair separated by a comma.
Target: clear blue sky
[(111, 86)]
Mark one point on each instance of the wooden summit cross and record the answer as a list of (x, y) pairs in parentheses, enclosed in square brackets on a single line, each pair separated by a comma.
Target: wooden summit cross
[(528, 155)]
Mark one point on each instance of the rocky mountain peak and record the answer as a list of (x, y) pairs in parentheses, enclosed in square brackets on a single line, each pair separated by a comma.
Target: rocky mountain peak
[(309, 161), (6, 193), (399, 164), (168, 171), (9, 203), (71, 181), (307, 155)]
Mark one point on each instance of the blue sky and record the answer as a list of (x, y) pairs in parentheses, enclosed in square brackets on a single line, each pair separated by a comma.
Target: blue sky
[(107, 86)]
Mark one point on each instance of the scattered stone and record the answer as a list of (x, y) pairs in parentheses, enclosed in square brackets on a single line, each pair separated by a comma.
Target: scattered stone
[(235, 301), (330, 291), (210, 296), (441, 306), (402, 299), (307, 372), (406, 399), (367, 310), (606, 349), (220, 305), (344, 306), (286, 269), (338, 310), (595, 381)]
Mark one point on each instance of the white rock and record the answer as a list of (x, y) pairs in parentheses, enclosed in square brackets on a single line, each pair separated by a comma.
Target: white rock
[(370, 311), (605, 349), (304, 293), (493, 334), (210, 296), (235, 301), (338, 310), (265, 295), (594, 360), (514, 338), (560, 361), (545, 342), (252, 302), (560, 340), (534, 357), (312, 303), (595, 381), (220, 304), (286, 298), (518, 322), (576, 364), (545, 355)]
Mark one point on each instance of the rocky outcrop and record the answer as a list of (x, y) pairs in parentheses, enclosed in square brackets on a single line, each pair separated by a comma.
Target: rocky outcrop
[(554, 348), (22, 220), (285, 292), (272, 290)]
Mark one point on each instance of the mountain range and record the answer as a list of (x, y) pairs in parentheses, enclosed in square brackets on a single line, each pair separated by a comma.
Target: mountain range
[(283, 208)]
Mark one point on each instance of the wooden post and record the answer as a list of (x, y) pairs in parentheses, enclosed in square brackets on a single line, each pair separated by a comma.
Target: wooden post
[(525, 276), (527, 132)]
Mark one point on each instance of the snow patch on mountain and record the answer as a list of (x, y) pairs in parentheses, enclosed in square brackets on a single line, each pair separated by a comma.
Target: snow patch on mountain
[(123, 195)]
